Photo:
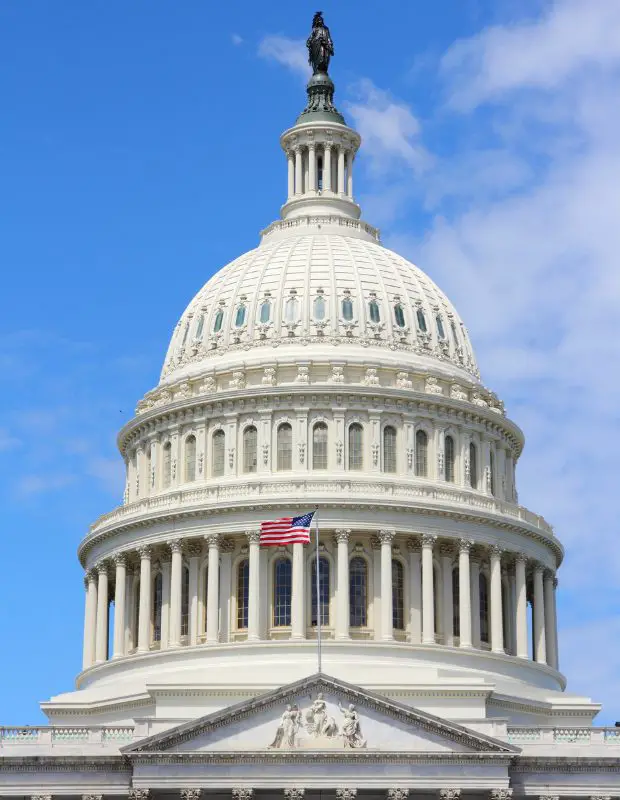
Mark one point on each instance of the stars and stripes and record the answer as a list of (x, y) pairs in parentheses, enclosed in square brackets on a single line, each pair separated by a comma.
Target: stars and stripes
[(286, 530)]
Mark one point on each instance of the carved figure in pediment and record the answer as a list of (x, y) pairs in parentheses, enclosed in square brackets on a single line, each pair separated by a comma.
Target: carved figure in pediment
[(288, 729), (318, 723), (351, 727)]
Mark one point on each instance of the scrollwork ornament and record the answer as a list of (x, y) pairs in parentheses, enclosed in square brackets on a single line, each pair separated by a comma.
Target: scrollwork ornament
[(253, 536), (190, 794), (428, 540), (242, 793), (346, 794), (294, 794), (342, 535), (139, 794), (397, 794), (386, 536), (501, 794), (449, 794), (465, 545), (92, 797)]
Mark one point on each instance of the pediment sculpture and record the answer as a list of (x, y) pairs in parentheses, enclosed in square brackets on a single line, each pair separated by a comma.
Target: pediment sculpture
[(316, 728)]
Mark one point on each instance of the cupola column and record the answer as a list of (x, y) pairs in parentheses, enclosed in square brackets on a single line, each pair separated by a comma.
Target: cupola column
[(327, 168), (298, 170), (311, 187), (176, 581), (497, 634), (540, 648), (341, 170), (213, 581), (521, 605), (350, 174), (342, 585), (387, 609), (290, 158), (253, 585), (428, 600), (550, 623), (144, 609), (415, 591), (101, 641), (119, 604), (90, 619), (464, 594)]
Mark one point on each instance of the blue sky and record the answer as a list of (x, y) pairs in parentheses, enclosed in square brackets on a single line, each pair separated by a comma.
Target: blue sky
[(139, 154)]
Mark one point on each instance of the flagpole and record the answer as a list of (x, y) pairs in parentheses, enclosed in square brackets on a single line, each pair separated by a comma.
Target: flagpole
[(318, 591)]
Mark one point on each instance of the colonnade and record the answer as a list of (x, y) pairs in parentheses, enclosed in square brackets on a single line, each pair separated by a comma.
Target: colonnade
[(441, 607), (299, 793), (325, 168)]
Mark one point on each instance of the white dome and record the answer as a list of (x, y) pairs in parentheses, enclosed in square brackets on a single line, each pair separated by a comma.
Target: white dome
[(290, 271)]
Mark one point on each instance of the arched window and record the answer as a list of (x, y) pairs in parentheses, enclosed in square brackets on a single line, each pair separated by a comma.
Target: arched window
[(185, 603), (399, 315), (492, 470), (243, 589), (319, 446), (265, 312), (323, 590), (421, 320), (292, 309), (285, 447), (347, 309), (190, 458), (240, 317), (166, 465), (398, 595), (473, 466), (421, 453), (389, 449), (358, 592), (484, 608), (455, 335), (219, 440), (187, 324), (373, 310), (456, 608), (200, 326), (250, 449), (449, 458), (356, 446), (219, 319), (157, 597), (282, 589), (440, 328), (319, 308)]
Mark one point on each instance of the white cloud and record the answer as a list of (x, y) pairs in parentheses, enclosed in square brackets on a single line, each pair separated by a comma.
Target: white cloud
[(236, 39), (291, 53), (110, 472), (29, 486)]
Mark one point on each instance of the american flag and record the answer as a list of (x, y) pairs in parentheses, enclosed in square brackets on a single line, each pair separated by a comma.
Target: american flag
[(286, 530)]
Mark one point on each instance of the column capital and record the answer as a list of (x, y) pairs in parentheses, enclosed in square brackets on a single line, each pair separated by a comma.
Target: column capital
[(41, 797), (92, 797), (342, 535), (103, 567), (139, 794), (253, 536), (145, 552), (242, 793), (548, 797), (496, 551), (549, 574), (465, 545), (538, 568), (120, 559), (428, 540), (387, 536), (449, 794), (501, 794), (520, 557), (346, 794), (91, 575), (213, 540), (190, 794), (413, 545), (175, 545), (397, 794), (294, 794)]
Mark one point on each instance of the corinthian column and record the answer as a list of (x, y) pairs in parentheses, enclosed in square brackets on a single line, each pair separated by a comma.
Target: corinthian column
[(101, 641), (176, 588), (448, 598), (497, 633), (253, 586), (521, 615), (298, 622), (327, 168), (298, 169), (342, 586), (341, 170), (415, 591), (213, 588), (540, 649), (90, 619), (119, 605), (428, 600), (311, 168), (144, 611), (387, 610), (549, 618), (464, 594), (290, 157)]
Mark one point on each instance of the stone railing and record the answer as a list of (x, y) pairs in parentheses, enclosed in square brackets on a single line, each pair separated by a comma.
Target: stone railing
[(311, 221), (523, 735), (54, 736), (301, 489)]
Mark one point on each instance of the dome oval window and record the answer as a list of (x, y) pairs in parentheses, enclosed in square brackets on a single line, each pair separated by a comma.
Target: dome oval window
[(375, 314), (219, 320), (319, 308), (186, 332), (240, 317), (265, 312), (292, 307), (421, 320), (399, 315), (454, 333), (347, 309), (440, 329), (201, 324)]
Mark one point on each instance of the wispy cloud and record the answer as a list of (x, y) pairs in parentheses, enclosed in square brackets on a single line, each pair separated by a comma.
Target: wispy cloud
[(236, 39), (291, 53), (29, 486)]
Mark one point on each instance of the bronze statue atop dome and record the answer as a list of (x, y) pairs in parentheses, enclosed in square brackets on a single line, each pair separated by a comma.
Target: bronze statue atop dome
[(320, 45)]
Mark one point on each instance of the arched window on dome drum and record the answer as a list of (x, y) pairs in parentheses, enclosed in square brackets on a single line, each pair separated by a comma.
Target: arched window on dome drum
[(265, 312), (240, 317), (473, 465), (166, 465), (319, 308), (243, 588), (292, 309), (323, 591), (358, 593), (200, 326), (421, 453), (356, 446), (492, 470), (389, 449), (157, 601), (250, 449), (449, 453), (284, 447), (454, 333), (347, 309), (282, 592), (440, 328), (319, 446), (398, 595), (484, 608), (186, 332), (185, 603), (399, 315), (373, 310), (190, 458), (421, 320), (218, 443), (456, 608), (219, 320)]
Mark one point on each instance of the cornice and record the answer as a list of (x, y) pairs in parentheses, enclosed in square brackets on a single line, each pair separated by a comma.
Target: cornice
[(566, 764), (81, 763)]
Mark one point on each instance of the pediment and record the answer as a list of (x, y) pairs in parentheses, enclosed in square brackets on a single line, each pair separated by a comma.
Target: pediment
[(319, 714)]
